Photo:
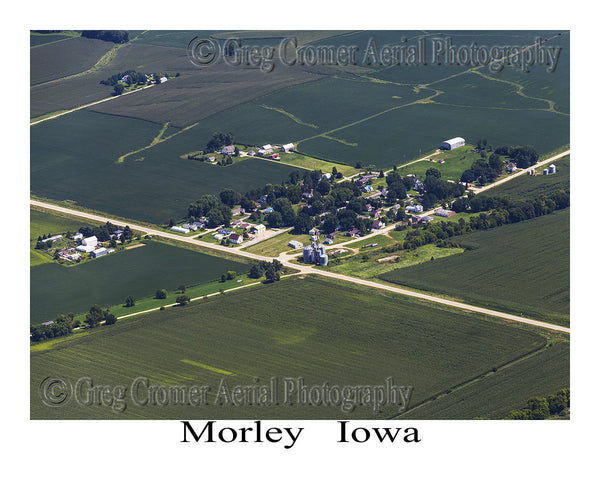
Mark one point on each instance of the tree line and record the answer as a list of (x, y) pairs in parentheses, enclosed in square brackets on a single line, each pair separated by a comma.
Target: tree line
[(540, 408), (64, 324), (504, 210), (115, 36)]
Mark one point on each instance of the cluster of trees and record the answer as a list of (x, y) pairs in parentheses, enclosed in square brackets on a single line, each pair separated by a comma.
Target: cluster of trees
[(133, 77), (218, 141), (63, 325), (483, 171), (522, 156), (271, 270), (434, 189), (161, 294), (210, 206), (229, 275), (504, 210), (115, 36), (103, 232), (96, 316), (540, 408)]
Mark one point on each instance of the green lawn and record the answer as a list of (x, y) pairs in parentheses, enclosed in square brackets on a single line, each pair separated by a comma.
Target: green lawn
[(349, 336), (522, 268), (455, 163), (273, 246)]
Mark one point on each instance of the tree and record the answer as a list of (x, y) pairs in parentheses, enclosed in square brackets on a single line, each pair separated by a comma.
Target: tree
[(271, 274), (119, 89), (230, 197), (539, 408), (274, 219), (181, 288), (109, 318), (183, 299), (130, 301), (161, 294), (94, 316), (231, 275)]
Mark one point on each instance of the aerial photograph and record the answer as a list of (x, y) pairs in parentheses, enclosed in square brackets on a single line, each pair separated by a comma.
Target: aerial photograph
[(299, 225)]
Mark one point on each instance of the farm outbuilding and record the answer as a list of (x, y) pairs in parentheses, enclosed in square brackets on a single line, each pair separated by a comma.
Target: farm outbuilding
[(295, 244), (552, 168), (453, 143), (90, 241), (99, 252), (287, 147), (180, 229)]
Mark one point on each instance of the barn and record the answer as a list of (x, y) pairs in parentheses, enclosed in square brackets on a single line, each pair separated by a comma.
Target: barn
[(453, 143), (287, 147)]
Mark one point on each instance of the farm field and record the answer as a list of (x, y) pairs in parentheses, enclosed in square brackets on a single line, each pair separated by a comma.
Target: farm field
[(37, 39), (398, 136), (527, 186), (342, 342), (106, 281), (60, 167), (521, 268), (60, 59), (43, 222), (494, 396)]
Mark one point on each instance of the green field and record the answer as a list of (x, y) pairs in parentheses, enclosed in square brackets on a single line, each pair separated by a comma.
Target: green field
[(522, 268), (60, 59), (38, 39), (527, 186), (99, 140), (43, 222), (455, 163), (106, 281), (495, 395), (349, 336)]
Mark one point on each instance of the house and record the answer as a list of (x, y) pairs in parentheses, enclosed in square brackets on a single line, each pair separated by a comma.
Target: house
[(238, 211), (77, 236), (414, 208), (90, 241), (74, 256), (328, 241), (453, 143), (99, 252), (287, 147), (295, 244), (190, 226), (211, 159), (377, 224), (228, 150), (198, 224), (326, 176), (354, 233), (265, 150), (426, 219), (225, 231), (163, 79), (511, 167), (268, 209), (367, 188), (218, 236), (236, 238), (331, 235), (313, 231), (440, 212), (245, 226), (251, 153)]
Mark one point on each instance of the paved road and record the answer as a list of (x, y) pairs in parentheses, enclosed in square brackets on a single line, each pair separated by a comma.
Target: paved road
[(305, 269)]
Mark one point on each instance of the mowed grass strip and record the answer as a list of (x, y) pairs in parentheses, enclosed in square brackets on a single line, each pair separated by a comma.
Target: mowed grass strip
[(522, 268), (298, 328)]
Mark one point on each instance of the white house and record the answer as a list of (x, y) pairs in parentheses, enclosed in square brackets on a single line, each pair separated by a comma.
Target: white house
[(90, 241), (287, 147), (236, 238), (453, 143)]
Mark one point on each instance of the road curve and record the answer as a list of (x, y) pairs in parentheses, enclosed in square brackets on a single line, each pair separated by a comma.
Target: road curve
[(307, 269)]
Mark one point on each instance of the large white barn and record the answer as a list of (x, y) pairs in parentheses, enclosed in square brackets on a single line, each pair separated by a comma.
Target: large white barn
[(453, 143)]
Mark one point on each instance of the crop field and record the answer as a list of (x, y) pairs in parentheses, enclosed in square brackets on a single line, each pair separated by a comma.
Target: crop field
[(61, 167), (509, 388), (37, 39), (527, 186), (342, 342), (522, 268), (106, 281), (56, 60), (396, 137), (43, 222)]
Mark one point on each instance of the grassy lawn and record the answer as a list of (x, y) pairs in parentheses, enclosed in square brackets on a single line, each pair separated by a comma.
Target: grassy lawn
[(273, 246), (365, 264), (361, 338), (455, 163), (311, 163), (380, 240)]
